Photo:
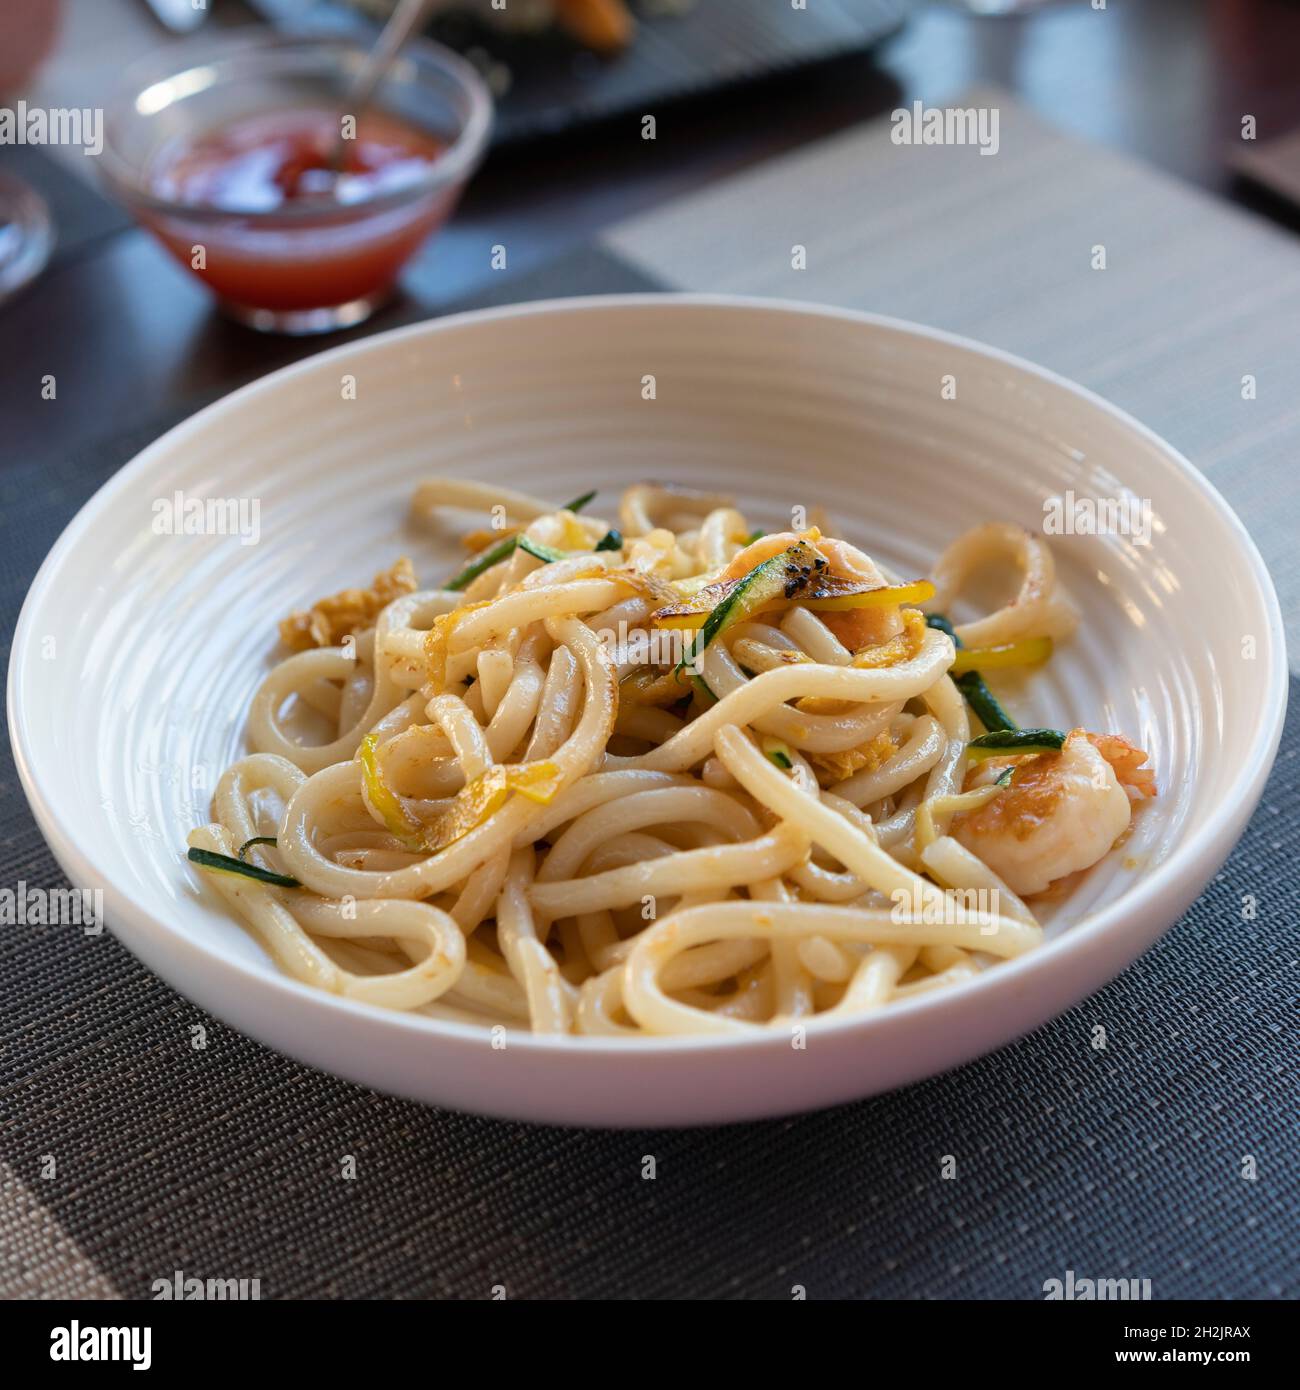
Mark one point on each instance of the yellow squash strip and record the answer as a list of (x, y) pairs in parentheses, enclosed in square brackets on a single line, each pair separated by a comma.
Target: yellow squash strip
[(538, 781), (471, 806), (883, 597), (397, 820), (1029, 651), (694, 613), (682, 622), (478, 799)]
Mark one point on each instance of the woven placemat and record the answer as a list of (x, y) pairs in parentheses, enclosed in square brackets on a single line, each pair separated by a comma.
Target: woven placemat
[(126, 1154), (227, 1162)]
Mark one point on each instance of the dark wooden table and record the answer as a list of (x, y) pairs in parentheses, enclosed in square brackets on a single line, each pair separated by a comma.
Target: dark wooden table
[(129, 336)]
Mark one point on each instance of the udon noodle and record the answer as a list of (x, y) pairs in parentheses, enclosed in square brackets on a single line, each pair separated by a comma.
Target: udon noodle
[(662, 776)]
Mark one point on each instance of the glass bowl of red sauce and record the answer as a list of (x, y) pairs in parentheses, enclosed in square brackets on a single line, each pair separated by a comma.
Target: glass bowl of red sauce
[(296, 212)]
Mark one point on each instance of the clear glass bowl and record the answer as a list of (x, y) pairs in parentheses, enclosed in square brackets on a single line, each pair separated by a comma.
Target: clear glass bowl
[(314, 264)]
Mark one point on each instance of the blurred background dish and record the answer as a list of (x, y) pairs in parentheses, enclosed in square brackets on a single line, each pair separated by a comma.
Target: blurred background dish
[(562, 65), (604, 26)]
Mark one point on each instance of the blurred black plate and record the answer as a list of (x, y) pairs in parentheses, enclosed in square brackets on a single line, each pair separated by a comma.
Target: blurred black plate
[(556, 86)]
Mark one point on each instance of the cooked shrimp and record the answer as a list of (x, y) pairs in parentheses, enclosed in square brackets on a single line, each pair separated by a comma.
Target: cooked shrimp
[(1061, 813), (753, 555), (1138, 781), (859, 627)]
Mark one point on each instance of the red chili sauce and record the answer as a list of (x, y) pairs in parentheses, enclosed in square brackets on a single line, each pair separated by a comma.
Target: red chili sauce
[(314, 234)]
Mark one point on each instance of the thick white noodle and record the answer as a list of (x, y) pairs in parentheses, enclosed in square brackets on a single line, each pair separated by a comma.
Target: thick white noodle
[(674, 875)]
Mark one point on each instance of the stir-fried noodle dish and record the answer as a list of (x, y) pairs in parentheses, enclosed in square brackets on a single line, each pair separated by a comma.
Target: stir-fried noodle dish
[(661, 774)]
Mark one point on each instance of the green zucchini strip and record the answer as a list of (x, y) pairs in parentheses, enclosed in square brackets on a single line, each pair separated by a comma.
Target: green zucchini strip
[(495, 554), (984, 702), (778, 752), (227, 864), (541, 552), (703, 687), (763, 583), (1016, 741), (973, 686)]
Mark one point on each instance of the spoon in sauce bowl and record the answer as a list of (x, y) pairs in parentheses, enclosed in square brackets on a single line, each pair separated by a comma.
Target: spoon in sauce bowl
[(405, 19), (299, 212), (402, 23)]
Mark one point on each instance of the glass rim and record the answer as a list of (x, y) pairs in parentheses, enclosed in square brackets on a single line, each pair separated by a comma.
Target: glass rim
[(452, 165), (36, 235)]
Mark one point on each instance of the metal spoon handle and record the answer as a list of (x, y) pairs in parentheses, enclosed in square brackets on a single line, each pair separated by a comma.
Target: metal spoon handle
[(406, 18)]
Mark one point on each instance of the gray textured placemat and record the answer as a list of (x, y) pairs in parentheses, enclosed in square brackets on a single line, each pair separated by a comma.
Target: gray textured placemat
[(227, 1162)]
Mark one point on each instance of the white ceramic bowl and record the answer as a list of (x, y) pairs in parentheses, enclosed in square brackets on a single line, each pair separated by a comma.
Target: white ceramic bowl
[(161, 640)]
